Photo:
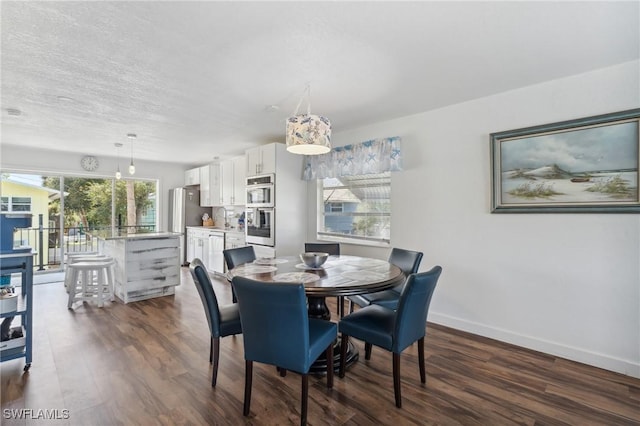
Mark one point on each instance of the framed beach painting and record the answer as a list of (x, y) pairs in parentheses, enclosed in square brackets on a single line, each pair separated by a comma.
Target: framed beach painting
[(578, 166)]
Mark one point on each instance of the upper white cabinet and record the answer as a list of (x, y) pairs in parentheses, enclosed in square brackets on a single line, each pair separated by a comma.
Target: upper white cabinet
[(239, 181), (210, 193), (261, 160), (222, 183), (192, 177), (233, 179), (205, 186), (226, 182)]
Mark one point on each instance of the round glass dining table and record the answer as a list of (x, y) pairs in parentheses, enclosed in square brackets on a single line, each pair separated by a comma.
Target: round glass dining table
[(339, 276)]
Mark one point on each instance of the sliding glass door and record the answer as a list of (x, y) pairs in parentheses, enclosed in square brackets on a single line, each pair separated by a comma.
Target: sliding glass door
[(68, 211)]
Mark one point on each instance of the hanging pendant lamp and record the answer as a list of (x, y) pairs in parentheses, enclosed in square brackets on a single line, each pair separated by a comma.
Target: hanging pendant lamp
[(308, 134), (132, 167), (118, 174)]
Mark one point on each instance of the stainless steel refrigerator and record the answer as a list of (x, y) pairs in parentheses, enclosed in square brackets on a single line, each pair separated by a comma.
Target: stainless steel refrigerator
[(185, 210)]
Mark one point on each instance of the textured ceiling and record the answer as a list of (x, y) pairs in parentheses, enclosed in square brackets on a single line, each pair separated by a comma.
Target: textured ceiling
[(196, 80)]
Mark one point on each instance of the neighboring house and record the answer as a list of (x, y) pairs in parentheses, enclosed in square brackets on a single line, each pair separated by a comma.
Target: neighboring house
[(148, 215), (352, 206), (338, 202), (22, 197)]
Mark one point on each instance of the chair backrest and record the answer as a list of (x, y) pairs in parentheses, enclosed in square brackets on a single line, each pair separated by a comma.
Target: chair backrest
[(413, 307), (207, 295), (408, 261), (331, 248), (275, 323), (237, 256)]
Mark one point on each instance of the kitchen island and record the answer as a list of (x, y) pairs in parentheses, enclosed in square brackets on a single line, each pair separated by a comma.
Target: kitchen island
[(146, 265)]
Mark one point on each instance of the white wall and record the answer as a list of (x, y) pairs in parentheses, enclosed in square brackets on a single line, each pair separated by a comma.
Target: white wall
[(564, 284), (17, 159)]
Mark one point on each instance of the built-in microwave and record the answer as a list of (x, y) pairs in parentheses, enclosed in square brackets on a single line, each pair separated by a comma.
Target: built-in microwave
[(260, 226), (260, 191)]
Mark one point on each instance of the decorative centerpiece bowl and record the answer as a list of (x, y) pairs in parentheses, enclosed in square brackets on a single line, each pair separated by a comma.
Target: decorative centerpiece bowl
[(314, 259)]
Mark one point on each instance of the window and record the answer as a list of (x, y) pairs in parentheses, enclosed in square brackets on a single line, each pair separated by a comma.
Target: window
[(336, 207), (356, 208), (15, 204), (21, 204)]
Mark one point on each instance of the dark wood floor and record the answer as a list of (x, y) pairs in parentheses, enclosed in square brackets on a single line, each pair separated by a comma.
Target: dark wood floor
[(147, 363)]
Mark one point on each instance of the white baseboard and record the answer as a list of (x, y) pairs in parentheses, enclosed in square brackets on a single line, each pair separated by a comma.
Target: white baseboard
[(599, 360)]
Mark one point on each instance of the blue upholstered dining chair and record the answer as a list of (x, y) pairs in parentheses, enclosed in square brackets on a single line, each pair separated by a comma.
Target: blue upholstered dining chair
[(409, 262), (331, 248), (394, 330), (223, 320), (334, 250), (236, 257), (277, 330)]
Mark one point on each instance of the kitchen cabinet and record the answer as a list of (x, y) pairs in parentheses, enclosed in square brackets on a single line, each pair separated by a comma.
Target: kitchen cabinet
[(192, 241), (226, 182), (205, 186), (234, 240), (210, 191), (192, 177), (147, 265), (232, 181), (198, 240), (239, 181), (215, 257), (206, 245), (261, 160)]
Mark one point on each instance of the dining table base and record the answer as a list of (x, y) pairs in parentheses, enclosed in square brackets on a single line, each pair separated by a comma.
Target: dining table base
[(317, 307), (319, 367)]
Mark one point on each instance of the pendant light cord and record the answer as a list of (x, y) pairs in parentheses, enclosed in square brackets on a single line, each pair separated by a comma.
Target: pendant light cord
[(307, 91)]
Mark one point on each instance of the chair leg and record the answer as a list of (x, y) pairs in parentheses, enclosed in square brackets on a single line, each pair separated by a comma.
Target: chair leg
[(304, 399), (248, 373), (211, 351), (282, 371), (343, 354), (73, 283), (367, 350), (216, 358), (340, 306), (329, 357), (423, 374), (396, 379)]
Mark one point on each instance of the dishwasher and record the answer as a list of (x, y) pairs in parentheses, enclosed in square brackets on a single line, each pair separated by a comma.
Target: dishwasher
[(216, 258)]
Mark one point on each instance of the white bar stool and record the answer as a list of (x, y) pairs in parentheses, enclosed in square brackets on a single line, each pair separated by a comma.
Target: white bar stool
[(92, 280), (81, 257)]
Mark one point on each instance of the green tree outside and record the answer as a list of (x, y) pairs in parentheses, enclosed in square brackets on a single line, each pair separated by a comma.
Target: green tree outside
[(88, 201)]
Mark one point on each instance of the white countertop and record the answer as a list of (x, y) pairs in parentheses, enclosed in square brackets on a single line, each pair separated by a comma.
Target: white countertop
[(108, 235), (220, 229)]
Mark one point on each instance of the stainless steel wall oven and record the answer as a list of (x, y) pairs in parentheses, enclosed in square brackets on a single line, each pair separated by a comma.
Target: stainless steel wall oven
[(260, 226), (261, 191)]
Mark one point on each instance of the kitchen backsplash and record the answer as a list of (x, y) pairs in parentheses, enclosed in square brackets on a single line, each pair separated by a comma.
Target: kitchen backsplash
[(233, 215)]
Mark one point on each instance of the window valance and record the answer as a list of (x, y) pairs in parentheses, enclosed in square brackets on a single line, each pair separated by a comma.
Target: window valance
[(370, 157)]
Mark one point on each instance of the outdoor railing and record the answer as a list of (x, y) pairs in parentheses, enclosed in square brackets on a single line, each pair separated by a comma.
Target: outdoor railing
[(75, 240)]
